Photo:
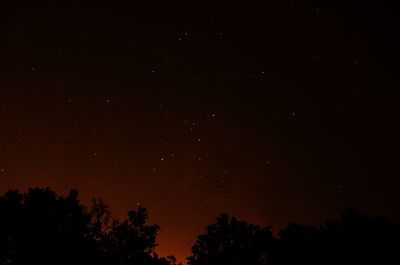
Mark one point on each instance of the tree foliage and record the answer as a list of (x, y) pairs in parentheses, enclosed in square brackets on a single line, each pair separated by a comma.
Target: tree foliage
[(39, 227), (234, 242), (353, 239)]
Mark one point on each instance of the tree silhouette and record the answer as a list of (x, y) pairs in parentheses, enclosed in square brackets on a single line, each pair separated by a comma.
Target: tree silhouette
[(297, 244), (360, 239), (132, 241), (230, 241), (353, 239), (101, 219), (39, 227)]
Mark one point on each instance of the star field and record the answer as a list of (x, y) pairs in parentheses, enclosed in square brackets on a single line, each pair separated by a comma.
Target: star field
[(270, 110)]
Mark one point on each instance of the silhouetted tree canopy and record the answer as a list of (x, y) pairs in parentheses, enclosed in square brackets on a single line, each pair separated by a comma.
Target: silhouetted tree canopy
[(39, 227), (234, 242), (353, 239)]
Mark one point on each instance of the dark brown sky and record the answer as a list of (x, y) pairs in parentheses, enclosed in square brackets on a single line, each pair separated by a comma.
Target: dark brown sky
[(269, 110)]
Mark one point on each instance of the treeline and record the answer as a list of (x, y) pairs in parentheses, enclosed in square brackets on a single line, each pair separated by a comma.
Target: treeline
[(353, 239), (40, 227)]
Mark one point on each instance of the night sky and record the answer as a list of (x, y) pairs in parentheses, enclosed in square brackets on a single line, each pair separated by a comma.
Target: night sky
[(272, 111)]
